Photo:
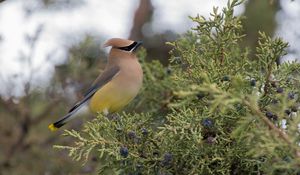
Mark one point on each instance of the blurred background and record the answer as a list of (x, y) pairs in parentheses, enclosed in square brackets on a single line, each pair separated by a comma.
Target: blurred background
[(50, 53)]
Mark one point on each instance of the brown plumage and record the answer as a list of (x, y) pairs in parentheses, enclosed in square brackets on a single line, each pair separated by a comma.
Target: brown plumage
[(116, 86)]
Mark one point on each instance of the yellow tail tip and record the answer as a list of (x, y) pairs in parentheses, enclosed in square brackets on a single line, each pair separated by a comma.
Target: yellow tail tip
[(52, 127)]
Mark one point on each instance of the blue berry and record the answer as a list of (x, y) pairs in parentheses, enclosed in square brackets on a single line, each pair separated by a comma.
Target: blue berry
[(207, 122), (269, 114), (253, 82), (144, 131), (225, 78), (200, 95), (124, 151), (279, 90), (131, 134), (272, 116), (287, 111), (167, 159), (291, 95)]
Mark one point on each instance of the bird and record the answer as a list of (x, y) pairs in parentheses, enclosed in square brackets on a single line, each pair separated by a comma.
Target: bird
[(115, 87)]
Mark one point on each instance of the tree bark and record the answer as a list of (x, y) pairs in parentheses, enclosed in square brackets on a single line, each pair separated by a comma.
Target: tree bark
[(141, 16)]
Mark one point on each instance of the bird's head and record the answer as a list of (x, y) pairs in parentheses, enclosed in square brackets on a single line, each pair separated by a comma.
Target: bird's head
[(123, 44)]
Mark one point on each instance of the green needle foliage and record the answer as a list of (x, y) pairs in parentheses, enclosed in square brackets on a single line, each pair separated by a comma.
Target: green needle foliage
[(213, 111)]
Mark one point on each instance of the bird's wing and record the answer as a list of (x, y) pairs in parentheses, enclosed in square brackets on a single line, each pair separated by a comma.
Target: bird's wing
[(103, 79)]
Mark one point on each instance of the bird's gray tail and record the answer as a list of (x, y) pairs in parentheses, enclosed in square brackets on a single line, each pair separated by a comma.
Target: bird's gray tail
[(71, 115), (61, 122)]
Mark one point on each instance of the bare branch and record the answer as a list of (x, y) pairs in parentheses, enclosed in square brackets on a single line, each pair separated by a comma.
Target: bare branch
[(43, 114)]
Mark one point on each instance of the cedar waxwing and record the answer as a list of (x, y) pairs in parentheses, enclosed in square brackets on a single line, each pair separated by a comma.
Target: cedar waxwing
[(115, 87)]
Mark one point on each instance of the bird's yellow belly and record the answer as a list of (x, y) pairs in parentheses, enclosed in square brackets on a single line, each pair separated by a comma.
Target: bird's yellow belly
[(110, 98)]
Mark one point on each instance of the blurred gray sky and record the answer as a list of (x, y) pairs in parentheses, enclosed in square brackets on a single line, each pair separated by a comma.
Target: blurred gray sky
[(288, 19), (63, 26)]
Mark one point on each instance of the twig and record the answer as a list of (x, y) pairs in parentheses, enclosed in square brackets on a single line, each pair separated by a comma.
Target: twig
[(281, 133), (268, 122), (24, 125), (9, 106)]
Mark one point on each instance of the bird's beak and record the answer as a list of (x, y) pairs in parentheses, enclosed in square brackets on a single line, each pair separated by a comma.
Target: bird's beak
[(138, 44)]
